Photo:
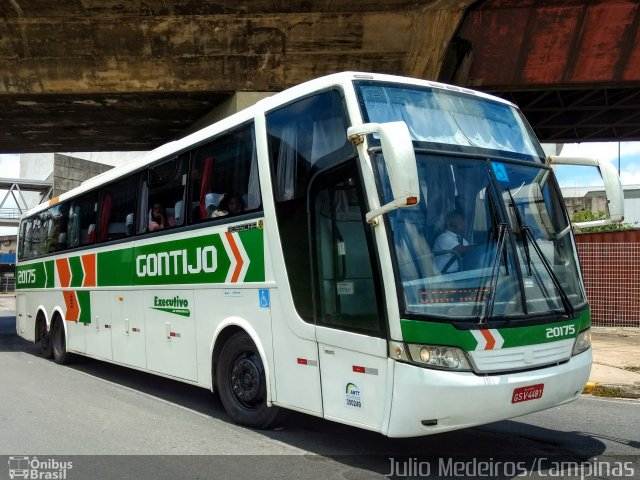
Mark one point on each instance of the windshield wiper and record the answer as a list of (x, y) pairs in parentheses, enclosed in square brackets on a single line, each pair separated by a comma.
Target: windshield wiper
[(527, 231), (568, 307), (521, 225), (487, 311)]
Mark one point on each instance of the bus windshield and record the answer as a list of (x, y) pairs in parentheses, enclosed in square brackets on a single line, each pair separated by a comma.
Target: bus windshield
[(484, 244), (489, 238), (451, 119)]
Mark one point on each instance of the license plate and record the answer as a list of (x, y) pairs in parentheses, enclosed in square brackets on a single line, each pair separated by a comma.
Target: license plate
[(530, 392)]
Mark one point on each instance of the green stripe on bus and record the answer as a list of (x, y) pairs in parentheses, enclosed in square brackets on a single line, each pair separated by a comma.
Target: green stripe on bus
[(253, 241), (190, 260), (433, 333), (50, 269), (77, 273), (114, 268), (201, 259), (548, 332), (32, 276), (84, 300)]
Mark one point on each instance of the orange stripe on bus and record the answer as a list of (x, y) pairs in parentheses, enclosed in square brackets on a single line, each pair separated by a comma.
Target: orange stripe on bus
[(89, 265), (491, 342), (238, 257), (71, 302), (64, 272)]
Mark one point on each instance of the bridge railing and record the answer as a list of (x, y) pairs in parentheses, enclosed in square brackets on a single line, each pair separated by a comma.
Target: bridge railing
[(10, 213)]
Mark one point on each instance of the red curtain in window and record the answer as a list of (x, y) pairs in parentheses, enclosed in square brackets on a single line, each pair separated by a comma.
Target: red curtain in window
[(204, 185), (105, 216)]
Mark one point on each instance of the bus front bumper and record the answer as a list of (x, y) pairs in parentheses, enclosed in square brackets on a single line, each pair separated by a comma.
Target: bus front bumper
[(432, 401)]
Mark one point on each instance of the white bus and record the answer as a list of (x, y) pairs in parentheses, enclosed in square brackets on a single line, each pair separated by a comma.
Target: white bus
[(383, 252)]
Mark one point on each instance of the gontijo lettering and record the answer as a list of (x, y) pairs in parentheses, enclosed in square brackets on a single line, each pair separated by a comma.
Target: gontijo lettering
[(177, 262)]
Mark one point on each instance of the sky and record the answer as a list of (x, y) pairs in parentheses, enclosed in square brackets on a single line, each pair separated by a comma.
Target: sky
[(585, 176), (9, 165)]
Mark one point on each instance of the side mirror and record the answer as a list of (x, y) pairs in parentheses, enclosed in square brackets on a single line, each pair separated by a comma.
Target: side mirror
[(612, 187), (400, 160)]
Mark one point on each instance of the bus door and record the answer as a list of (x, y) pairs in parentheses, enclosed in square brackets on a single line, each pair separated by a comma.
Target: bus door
[(350, 325)]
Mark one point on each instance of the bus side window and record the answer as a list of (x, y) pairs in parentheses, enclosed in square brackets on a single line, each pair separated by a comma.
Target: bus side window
[(224, 177), (22, 230), (57, 228), (117, 207), (83, 212), (25, 239), (162, 196)]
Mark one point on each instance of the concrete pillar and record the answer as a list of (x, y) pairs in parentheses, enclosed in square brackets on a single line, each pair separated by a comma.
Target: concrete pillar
[(236, 102)]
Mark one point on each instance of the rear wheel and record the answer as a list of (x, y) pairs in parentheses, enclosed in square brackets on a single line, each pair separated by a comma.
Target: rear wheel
[(59, 342), (46, 348), (242, 383)]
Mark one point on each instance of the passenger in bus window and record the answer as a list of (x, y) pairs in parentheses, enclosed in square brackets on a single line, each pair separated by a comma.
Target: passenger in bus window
[(158, 219), (231, 204)]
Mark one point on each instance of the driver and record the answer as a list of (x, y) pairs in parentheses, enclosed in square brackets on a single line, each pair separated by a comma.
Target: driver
[(451, 240)]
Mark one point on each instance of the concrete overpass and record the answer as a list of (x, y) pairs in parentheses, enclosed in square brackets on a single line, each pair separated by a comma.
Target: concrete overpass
[(85, 75)]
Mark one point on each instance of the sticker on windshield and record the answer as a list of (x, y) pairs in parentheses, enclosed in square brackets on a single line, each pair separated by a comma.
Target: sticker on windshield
[(501, 172)]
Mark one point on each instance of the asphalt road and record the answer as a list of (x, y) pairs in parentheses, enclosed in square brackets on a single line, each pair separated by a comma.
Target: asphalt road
[(112, 422)]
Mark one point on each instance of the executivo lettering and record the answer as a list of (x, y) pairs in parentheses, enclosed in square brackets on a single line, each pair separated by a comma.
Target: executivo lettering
[(177, 262), (175, 305)]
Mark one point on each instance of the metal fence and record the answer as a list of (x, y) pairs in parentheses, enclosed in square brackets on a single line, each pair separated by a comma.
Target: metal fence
[(7, 284), (611, 268)]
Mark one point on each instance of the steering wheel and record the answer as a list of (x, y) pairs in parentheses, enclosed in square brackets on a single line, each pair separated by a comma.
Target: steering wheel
[(455, 257)]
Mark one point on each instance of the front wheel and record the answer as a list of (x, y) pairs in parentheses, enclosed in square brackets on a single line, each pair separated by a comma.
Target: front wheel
[(59, 343), (242, 383)]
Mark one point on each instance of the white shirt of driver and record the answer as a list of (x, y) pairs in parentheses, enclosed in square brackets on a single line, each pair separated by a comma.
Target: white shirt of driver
[(447, 240)]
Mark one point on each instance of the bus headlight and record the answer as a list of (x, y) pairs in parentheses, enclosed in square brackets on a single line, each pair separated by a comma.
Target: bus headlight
[(439, 356), (583, 342), (431, 356)]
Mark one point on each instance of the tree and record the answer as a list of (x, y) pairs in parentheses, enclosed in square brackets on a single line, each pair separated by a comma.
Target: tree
[(588, 216)]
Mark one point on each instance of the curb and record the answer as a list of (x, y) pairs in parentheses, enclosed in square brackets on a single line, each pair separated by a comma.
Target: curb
[(611, 391)]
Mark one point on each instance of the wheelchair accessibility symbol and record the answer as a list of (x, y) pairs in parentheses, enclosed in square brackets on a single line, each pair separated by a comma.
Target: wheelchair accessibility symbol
[(263, 297)]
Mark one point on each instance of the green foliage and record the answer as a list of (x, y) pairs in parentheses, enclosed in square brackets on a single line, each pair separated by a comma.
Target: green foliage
[(588, 216)]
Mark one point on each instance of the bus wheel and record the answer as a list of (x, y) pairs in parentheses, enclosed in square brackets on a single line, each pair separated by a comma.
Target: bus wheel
[(242, 383), (59, 342), (46, 348)]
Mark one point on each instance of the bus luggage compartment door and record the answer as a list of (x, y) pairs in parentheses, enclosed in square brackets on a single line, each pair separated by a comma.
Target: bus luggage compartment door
[(170, 332), (97, 334), (128, 330)]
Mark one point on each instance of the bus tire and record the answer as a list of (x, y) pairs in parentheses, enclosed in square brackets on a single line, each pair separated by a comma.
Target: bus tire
[(44, 337), (59, 342), (242, 383)]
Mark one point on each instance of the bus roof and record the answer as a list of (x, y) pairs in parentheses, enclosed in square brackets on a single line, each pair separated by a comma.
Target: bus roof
[(281, 98)]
